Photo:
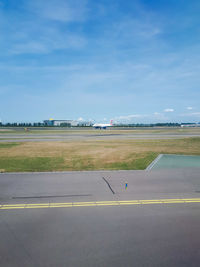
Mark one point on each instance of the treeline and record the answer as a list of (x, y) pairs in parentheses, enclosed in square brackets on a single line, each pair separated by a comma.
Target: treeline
[(168, 124), (38, 124), (22, 124)]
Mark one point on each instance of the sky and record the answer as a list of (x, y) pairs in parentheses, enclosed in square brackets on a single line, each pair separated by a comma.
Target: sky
[(135, 61)]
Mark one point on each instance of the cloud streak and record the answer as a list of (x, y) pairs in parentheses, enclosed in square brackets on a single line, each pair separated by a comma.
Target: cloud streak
[(59, 10), (191, 114), (36, 33), (169, 110)]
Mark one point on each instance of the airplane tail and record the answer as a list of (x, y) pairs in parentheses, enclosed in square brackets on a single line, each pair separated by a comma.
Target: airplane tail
[(111, 122)]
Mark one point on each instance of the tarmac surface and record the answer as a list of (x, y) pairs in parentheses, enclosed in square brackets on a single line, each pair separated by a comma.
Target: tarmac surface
[(102, 218), (73, 137), (34, 134)]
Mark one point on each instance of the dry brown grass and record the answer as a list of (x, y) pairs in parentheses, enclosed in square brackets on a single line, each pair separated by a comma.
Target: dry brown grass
[(105, 151), (91, 155)]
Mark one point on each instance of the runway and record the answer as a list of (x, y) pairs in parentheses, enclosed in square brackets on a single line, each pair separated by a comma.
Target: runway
[(102, 218), (81, 137)]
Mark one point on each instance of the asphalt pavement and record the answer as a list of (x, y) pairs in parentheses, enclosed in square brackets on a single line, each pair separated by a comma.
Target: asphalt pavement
[(95, 136), (158, 230)]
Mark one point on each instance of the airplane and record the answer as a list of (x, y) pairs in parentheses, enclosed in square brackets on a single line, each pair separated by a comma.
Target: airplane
[(102, 125)]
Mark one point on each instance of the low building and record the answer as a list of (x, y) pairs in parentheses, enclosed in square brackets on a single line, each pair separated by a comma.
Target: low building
[(66, 123), (190, 125), (85, 123), (52, 122)]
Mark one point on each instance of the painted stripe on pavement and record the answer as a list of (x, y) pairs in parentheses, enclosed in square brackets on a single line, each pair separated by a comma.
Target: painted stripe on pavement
[(99, 203)]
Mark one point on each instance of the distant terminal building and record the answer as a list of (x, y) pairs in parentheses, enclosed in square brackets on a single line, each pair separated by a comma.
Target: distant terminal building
[(190, 125), (64, 123), (52, 122)]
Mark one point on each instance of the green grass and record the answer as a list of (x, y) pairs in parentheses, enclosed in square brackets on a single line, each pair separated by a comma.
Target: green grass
[(90, 155), (34, 164), (140, 163), (8, 145), (23, 164)]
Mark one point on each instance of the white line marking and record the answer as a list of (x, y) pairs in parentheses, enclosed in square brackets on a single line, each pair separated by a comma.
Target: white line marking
[(154, 162)]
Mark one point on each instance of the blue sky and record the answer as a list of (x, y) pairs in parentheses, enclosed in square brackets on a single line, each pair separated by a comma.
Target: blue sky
[(131, 61)]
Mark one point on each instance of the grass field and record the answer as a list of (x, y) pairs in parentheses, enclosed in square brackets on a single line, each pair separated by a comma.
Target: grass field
[(8, 145), (90, 155)]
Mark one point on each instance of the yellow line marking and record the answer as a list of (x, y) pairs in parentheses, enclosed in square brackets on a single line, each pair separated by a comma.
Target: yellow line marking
[(9, 208), (63, 206), (32, 207), (99, 203), (192, 201), (14, 205), (108, 204)]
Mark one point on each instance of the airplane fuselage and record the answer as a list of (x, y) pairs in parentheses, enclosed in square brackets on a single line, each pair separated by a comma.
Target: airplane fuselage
[(102, 125)]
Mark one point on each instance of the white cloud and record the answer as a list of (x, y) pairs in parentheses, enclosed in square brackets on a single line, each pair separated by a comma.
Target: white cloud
[(59, 10), (129, 117), (159, 117), (129, 31), (29, 47), (80, 119), (191, 114), (189, 108), (169, 110), (33, 32), (142, 118), (48, 44), (195, 114)]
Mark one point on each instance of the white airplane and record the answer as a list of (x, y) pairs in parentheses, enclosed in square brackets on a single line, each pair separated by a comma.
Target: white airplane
[(102, 125)]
